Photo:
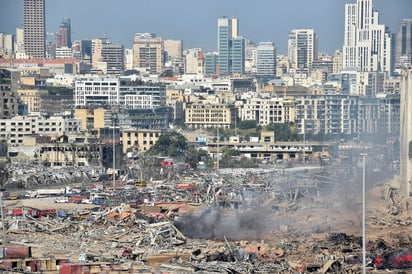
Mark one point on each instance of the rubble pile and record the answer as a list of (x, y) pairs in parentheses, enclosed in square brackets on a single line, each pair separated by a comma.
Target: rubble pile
[(28, 176), (255, 221)]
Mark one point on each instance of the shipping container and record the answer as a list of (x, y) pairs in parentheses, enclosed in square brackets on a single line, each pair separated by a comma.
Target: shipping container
[(16, 252)]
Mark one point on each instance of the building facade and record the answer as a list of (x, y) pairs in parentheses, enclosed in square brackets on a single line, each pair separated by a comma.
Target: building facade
[(15, 129), (9, 104), (148, 53), (90, 118), (64, 35), (266, 60), (113, 91), (367, 44), (264, 111), (403, 51), (231, 47), (6, 45), (34, 26), (191, 60), (406, 132), (204, 115), (139, 140), (211, 63), (302, 49), (96, 91)]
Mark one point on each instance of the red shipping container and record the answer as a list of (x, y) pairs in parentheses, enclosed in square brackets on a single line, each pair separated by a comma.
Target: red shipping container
[(17, 252), (70, 269)]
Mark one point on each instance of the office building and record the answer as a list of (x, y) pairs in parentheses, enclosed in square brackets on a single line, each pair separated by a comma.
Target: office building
[(403, 50), (148, 53), (107, 56), (302, 49), (96, 91), (34, 27), (112, 91), (238, 55), (211, 63), (231, 47), (266, 60), (367, 44), (113, 56), (63, 36)]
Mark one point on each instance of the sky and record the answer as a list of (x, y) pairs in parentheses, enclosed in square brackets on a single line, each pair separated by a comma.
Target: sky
[(195, 21)]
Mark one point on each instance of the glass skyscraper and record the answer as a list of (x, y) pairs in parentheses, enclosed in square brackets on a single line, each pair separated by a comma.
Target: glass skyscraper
[(231, 47)]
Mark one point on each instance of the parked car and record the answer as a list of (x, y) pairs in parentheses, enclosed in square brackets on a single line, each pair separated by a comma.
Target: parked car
[(61, 200)]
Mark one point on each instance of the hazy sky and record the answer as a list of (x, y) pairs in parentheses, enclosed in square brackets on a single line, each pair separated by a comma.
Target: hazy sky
[(195, 22)]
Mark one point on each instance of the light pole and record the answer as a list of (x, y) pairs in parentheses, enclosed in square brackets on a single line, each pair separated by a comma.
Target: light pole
[(217, 147), (304, 141), (364, 155), (2, 219), (114, 154)]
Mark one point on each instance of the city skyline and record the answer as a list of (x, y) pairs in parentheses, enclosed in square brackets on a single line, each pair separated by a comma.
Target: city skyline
[(197, 28)]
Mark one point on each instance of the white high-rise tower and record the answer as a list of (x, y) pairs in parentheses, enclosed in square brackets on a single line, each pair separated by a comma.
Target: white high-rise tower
[(367, 44), (302, 48)]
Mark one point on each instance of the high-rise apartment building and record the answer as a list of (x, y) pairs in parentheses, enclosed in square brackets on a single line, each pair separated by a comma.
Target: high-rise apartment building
[(403, 50), (63, 36), (6, 44), (191, 60), (266, 60), (148, 52), (302, 48), (34, 27), (231, 47), (173, 49), (211, 63), (367, 44), (238, 55)]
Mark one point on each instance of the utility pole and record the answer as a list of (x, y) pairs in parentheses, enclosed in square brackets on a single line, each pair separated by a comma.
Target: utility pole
[(2, 219), (114, 154), (217, 147), (364, 155)]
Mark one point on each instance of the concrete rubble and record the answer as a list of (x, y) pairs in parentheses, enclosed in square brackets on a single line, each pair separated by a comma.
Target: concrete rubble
[(234, 221)]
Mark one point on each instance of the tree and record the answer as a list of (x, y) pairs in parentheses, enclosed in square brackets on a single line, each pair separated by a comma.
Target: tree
[(283, 132), (193, 155), (247, 124), (170, 144)]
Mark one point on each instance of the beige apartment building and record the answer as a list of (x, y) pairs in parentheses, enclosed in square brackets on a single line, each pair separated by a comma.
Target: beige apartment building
[(139, 140), (90, 118), (204, 115), (148, 53)]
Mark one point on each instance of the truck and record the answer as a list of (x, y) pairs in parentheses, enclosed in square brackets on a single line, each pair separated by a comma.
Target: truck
[(47, 192)]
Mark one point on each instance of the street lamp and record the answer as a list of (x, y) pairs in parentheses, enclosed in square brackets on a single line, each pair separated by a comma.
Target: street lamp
[(364, 155), (114, 152), (217, 147)]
